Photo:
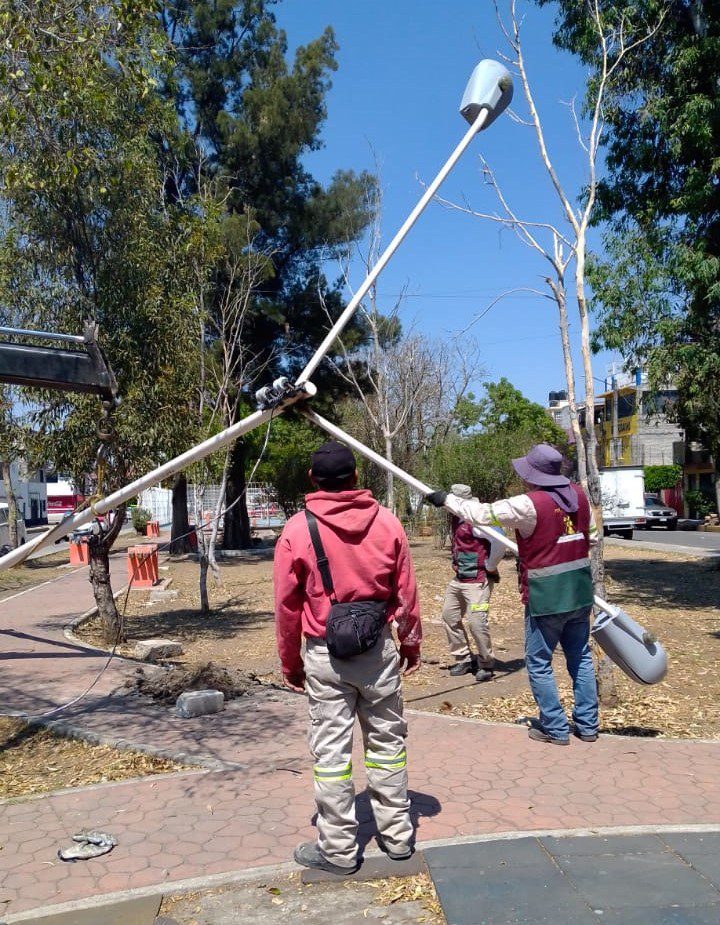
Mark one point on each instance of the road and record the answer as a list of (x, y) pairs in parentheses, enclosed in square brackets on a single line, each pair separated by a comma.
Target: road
[(693, 539)]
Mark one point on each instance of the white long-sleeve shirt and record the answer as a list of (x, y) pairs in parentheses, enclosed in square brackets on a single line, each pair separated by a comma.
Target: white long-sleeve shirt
[(516, 513), (497, 550)]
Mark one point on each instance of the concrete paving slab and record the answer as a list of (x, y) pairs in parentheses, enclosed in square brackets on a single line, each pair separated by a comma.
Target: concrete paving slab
[(702, 852), (140, 911), (637, 880), (373, 868), (697, 915), (623, 880), (593, 845), (504, 883)]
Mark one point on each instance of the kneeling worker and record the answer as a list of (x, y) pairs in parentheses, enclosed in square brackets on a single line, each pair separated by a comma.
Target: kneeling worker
[(342, 574), (554, 528), (475, 559)]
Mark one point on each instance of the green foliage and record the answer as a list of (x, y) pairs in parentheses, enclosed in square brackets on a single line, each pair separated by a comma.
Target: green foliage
[(658, 288), (140, 519), (506, 425), (659, 477), (287, 459), (89, 232), (701, 503)]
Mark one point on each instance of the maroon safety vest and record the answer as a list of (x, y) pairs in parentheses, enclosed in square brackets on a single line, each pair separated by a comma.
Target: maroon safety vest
[(554, 564), (469, 552)]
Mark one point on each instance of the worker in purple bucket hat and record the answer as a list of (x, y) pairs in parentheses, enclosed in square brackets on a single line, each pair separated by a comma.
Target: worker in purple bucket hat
[(555, 529)]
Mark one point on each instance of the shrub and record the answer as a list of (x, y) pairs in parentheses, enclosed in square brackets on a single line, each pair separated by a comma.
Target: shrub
[(140, 519), (659, 477), (699, 502)]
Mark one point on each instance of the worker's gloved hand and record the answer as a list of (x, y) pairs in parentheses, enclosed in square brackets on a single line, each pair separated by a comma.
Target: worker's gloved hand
[(436, 498), (410, 659), (295, 681), (493, 576)]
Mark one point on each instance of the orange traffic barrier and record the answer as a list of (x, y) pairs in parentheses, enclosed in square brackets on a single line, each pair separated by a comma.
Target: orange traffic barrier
[(152, 528), (79, 553), (143, 565)]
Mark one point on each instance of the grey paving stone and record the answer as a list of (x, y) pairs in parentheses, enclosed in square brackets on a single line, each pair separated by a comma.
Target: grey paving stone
[(520, 851), (700, 851), (637, 880), (591, 845), (372, 868), (140, 911), (504, 883), (688, 915), (521, 896)]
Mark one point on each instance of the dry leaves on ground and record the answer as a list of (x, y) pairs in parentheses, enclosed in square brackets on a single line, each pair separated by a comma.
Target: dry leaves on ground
[(418, 888), (35, 760)]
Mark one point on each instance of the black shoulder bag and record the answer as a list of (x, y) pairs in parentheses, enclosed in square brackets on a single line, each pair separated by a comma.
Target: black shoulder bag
[(351, 628)]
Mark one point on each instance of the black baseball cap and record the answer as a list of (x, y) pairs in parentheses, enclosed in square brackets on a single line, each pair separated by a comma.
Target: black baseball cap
[(332, 462)]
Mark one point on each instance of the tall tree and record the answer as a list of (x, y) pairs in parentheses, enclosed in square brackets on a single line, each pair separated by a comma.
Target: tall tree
[(657, 289), (255, 115), (90, 233)]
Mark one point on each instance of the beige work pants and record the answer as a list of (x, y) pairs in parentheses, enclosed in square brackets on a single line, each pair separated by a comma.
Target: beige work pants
[(469, 599), (367, 686)]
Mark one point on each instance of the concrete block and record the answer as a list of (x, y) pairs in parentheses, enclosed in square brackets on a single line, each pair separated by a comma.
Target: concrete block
[(150, 650), (199, 703), (162, 595)]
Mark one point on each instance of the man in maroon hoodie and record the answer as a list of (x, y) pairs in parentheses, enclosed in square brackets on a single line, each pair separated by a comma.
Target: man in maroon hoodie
[(369, 560)]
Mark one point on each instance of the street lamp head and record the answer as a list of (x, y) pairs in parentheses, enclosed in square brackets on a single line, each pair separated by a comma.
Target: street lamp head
[(490, 87)]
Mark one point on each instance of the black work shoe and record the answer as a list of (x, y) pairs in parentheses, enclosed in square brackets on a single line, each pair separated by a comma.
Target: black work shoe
[(483, 674), (460, 668), (585, 738), (395, 855), (537, 735), (309, 855)]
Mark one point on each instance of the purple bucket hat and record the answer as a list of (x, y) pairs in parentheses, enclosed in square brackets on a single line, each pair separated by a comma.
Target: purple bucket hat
[(541, 466)]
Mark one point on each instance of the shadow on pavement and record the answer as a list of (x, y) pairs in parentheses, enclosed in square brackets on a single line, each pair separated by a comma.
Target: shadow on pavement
[(688, 583)]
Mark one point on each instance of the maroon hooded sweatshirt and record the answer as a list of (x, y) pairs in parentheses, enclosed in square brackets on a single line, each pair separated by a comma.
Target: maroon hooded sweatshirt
[(369, 559)]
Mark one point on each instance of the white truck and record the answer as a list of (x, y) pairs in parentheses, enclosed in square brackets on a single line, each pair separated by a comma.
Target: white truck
[(5, 529), (623, 500)]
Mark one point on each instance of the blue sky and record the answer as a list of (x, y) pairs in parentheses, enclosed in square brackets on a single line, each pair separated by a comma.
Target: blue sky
[(403, 66)]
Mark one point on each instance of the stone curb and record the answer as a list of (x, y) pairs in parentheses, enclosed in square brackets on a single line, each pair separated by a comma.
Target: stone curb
[(252, 874)]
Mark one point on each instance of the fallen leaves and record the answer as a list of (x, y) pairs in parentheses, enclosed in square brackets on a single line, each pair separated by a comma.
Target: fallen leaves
[(34, 760)]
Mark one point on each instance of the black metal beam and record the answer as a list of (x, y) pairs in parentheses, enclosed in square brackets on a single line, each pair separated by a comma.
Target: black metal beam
[(54, 368)]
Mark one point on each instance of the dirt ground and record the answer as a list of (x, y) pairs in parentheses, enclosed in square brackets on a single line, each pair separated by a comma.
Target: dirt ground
[(674, 596), (34, 760), (283, 899)]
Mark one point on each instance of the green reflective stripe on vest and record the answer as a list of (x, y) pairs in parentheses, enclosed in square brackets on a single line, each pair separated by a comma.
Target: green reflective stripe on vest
[(386, 764), (493, 519), (560, 589), (333, 774)]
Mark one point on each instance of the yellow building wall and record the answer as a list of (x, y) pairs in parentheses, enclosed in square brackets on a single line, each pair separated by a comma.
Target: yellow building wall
[(627, 428)]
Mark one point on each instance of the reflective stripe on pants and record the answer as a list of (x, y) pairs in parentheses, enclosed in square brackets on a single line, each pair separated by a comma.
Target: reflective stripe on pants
[(367, 686), (470, 599)]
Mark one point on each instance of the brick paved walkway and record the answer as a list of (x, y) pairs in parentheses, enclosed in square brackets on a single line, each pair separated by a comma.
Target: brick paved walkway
[(467, 778)]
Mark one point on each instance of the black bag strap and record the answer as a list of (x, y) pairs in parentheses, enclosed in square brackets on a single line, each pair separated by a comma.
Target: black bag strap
[(322, 559)]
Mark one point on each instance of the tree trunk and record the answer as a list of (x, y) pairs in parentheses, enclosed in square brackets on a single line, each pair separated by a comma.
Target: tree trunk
[(99, 548), (390, 490), (12, 505), (607, 691), (236, 534), (180, 532), (204, 599)]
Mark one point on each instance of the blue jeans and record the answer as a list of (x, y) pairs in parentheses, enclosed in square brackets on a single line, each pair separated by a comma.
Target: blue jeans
[(542, 635)]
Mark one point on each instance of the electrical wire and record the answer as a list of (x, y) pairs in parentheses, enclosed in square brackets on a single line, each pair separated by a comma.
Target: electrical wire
[(121, 625)]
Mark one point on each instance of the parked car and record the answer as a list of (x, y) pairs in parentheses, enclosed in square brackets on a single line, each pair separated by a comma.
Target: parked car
[(5, 546), (658, 515)]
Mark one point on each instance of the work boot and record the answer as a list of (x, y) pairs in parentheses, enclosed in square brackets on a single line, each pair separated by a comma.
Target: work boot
[(460, 668), (309, 855), (537, 735), (593, 737), (401, 854), (483, 674)]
